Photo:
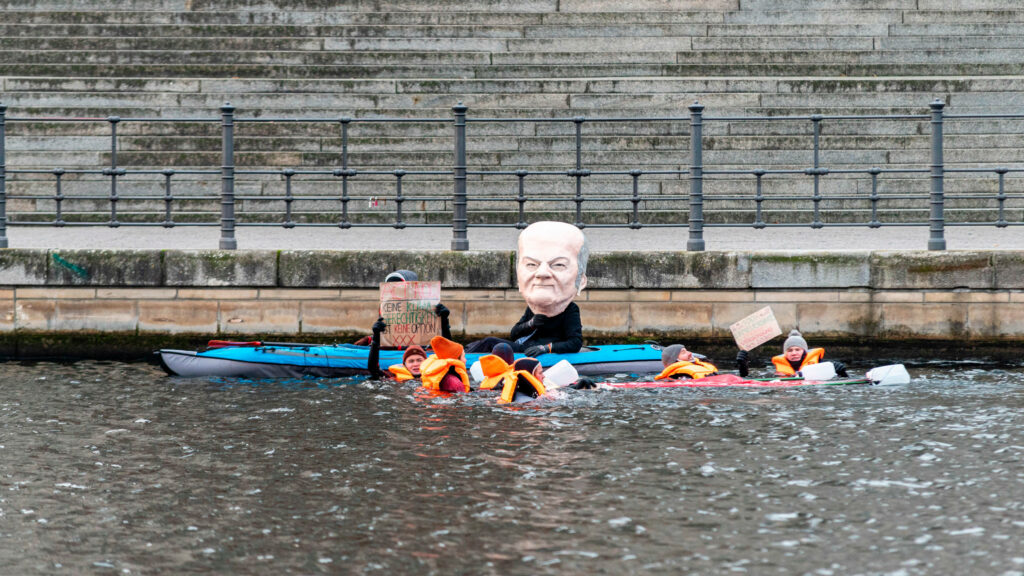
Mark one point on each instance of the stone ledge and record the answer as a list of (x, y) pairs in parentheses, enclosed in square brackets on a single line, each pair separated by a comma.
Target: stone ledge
[(494, 270)]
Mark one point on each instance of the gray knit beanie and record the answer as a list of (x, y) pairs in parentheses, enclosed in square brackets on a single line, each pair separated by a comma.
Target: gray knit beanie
[(670, 354), (795, 339)]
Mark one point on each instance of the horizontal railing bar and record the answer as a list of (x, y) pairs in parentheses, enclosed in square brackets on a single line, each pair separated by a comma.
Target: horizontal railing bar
[(567, 173), (948, 223), (343, 120), (335, 225), (53, 223), (106, 171), (827, 171), (817, 117), (809, 224), (980, 116), (285, 172)]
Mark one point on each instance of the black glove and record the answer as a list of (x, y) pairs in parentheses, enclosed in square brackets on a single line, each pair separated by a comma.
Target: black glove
[(840, 368), (379, 326), (442, 311), (534, 351), (538, 320), (743, 362), (583, 384)]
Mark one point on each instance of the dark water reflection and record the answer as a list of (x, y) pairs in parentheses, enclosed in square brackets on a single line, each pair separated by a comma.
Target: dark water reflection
[(114, 468)]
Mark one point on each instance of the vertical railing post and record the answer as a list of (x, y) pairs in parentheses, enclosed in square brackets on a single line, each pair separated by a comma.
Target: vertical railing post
[(578, 173), (936, 218), (113, 223), (460, 241), (695, 243), (227, 178), (816, 198), (3, 176)]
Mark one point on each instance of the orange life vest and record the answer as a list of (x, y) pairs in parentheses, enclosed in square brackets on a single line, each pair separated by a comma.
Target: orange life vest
[(401, 373), (695, 369), (784, 368), (518, 379), (433, 369), (495, 370)]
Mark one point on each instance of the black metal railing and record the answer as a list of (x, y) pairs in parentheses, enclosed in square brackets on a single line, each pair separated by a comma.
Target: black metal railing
[(459, 173)]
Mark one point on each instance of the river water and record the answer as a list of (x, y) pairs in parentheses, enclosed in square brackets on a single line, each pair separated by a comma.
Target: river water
[(114, 468)]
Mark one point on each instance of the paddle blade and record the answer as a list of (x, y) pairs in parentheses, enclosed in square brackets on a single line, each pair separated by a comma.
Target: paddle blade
[(893, 374)]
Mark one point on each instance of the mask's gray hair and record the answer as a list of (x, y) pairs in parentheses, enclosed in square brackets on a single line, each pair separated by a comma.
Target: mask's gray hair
[(581, 260)]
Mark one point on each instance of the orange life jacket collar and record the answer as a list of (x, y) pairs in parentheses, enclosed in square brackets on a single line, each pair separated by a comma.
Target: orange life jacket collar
[(433, 370), (784, 368), (695, 369), (401, 373)]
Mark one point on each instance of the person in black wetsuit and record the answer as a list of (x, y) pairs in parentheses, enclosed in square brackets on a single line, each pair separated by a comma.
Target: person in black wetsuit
[(373, 360), (551, 269)]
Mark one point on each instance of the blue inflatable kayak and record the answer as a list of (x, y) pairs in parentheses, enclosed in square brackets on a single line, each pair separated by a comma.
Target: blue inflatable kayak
[(288, 360)]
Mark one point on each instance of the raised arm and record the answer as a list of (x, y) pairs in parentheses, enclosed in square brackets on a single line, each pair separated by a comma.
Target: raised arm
[(373, 360)]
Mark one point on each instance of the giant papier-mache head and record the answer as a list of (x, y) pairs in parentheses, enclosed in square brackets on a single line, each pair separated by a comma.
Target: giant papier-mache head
[(551, 266)]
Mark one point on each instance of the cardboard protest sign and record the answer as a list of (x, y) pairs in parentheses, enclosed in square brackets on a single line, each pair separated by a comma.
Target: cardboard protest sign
[(755, 329), (408, 309)]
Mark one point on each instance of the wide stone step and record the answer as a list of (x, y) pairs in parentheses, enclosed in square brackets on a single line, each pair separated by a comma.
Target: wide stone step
[(760, 69)]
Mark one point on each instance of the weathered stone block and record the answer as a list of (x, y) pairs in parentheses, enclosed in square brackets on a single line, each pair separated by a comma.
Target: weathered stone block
[(178, 316), (263, 316), (1007, 321), (836, 319), (100, 315), (23, 267), (136, 293), (649, 270), (449, 296), (1009, 268), (298, 294), (320, 316), (492, 318), (6, 310), (695, 318), (217, 294), (34, 314), (129, 268), (725, 314), (56, 293), (603, 317), (931, 270), (367, 269), (801, 269), (809, 295), (948, 321), (220, 268), (712, 296)]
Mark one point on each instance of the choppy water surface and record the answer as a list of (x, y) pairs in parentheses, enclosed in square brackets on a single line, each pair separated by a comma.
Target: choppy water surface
[(115, 468)]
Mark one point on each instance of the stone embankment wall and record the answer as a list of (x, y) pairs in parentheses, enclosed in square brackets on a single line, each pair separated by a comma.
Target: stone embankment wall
[(511, 58), (109, 298)]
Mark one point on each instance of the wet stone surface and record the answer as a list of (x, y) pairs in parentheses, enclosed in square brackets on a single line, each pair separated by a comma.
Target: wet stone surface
[(115, 468)]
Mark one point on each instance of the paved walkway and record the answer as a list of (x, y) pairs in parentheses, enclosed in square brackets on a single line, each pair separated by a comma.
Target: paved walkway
[(601, 240)]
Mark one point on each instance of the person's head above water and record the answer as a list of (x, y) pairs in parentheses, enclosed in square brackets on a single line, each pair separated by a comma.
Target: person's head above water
[(412, 358), (401, 276), (531, 365), (795, 346), (504, 351), (675, 353), (551, 266)]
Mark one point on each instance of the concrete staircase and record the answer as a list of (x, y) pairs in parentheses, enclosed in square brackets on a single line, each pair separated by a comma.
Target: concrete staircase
[(526, 59)]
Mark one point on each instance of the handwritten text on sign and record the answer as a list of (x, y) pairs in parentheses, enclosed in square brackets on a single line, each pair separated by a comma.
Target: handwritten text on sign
[(755, 329), (408, 309)]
